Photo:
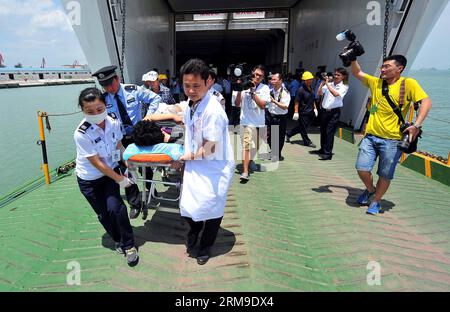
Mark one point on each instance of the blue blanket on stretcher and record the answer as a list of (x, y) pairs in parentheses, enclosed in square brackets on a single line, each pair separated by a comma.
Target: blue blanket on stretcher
[(175, 151)]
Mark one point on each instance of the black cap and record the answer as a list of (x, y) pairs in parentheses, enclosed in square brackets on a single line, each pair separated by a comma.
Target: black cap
[(106, 75)]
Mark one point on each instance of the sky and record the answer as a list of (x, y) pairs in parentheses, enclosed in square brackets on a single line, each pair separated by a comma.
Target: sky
[(34, 29)]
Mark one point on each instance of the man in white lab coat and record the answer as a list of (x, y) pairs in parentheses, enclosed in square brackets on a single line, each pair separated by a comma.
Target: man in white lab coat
[(209, 160)]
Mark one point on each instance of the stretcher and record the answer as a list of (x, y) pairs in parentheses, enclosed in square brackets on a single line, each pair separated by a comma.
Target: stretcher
[(159, 162)]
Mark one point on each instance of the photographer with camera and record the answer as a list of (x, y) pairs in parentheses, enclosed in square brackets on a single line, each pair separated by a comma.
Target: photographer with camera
[(333, 89), (391, 99), (253, 104)]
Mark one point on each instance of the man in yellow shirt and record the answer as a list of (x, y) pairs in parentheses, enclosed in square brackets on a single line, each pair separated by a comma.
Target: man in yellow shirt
[(383, 128)]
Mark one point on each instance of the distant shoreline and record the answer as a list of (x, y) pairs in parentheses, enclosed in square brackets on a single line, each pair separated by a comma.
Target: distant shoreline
[(43, 83)]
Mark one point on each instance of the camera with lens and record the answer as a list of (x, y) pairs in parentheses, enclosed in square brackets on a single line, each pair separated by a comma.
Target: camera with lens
[(240, 80), (328, 76), (404, 145), (353, 50)]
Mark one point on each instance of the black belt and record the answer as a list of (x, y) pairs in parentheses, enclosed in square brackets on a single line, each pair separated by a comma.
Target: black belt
[(332, 110)]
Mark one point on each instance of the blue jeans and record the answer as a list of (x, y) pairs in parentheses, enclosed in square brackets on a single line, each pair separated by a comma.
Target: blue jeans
[(373, 147)]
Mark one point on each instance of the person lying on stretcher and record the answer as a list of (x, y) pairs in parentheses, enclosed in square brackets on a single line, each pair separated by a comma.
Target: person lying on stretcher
[(150, 139)]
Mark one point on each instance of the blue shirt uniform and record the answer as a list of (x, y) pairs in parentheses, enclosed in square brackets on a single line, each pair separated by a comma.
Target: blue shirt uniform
[(135, 99)]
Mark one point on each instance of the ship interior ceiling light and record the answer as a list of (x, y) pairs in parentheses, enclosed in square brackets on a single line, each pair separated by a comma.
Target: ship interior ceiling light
[(201, 6), (259, 24)]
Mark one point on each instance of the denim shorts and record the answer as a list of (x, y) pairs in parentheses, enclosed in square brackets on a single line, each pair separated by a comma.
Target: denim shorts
[(373, 147)]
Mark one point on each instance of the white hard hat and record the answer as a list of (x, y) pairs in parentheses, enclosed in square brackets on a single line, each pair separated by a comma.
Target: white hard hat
[(145, 77), (153, 76)]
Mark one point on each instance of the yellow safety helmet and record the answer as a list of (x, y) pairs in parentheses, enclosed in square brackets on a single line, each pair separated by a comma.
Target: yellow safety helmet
[(163, 77), (307, 76)]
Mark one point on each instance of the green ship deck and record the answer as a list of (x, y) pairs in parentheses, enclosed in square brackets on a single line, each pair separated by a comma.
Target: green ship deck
[(294, 229)]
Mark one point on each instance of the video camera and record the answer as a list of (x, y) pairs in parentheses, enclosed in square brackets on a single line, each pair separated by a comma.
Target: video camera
[(353, 50), (238, 74), (329, 75)]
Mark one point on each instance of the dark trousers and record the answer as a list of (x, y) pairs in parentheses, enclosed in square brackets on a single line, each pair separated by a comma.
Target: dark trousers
[(235, 116), (132, 194), (228, 106), (304, 122), (281, 122), (210, 230), (328, 127), (104, 197), (291, 108)]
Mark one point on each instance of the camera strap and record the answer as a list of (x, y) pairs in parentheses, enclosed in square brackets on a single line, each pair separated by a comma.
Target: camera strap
[(397, 109)]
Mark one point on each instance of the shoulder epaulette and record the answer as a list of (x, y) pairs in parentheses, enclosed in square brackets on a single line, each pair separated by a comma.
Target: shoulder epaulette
[(83, 128), (112, 115), (130, 88)]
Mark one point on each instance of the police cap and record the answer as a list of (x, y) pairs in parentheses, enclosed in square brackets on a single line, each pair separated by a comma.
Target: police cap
[(106, 75)]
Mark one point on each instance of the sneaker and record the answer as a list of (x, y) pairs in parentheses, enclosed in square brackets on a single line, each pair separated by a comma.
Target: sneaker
[(132, 257), (245, 177), (374, 209), (118, 247), (364, 198)]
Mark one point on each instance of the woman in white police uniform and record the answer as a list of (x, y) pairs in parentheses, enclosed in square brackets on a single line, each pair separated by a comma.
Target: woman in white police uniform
[(209, 160), (99, 148)]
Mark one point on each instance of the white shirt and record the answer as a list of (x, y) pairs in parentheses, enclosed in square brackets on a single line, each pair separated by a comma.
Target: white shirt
[(207, 181), (91, 140), (329, 100), (251, 113), (219, 97), (284, 98)]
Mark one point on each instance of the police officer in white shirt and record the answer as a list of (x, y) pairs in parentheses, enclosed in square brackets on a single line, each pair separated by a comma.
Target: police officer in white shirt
[(209, 160), (128, 103), (276, 115), (99, 149), (253, 119), (333, 97)]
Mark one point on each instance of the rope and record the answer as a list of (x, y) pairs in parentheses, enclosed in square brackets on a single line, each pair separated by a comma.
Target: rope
[(47, 118), (63, 115)]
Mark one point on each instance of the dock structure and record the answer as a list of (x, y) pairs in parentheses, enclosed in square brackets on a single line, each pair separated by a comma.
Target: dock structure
[(293, 229)]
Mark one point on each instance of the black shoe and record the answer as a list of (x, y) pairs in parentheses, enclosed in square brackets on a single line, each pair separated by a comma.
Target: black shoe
[(119, 249), (325, 157), (203, 256), (134, 213), (288, 139), (191, 241), (312, 145), (318, 152)]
